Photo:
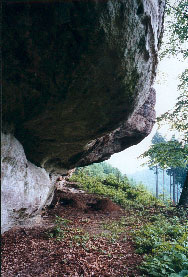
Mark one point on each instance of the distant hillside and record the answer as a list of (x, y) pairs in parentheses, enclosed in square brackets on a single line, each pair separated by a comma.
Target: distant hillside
[(148, 179)]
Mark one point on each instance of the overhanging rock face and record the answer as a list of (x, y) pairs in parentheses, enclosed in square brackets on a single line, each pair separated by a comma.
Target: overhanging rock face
[(75, 71), (77, 77)]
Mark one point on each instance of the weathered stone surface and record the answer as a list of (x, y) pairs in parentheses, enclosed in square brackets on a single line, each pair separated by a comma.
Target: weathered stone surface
[(136, 128), (75, 71), (25, 188), (77, 87)]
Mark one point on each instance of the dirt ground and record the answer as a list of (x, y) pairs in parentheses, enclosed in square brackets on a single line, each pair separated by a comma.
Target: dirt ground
[(81, 235)]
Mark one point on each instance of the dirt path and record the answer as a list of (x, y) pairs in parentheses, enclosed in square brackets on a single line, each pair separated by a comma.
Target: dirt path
[(81, 235)]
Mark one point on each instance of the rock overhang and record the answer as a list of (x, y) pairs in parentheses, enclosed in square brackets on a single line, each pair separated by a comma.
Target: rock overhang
[(78, 75)]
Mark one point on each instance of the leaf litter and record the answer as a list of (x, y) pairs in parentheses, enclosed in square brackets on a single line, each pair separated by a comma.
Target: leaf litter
[(81, 234)]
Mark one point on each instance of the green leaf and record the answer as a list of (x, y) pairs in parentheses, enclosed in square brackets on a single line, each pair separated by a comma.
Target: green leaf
[(183, 273)]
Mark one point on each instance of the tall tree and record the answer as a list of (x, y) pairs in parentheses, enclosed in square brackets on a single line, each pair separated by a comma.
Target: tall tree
[(184, 195), (170, 154), (176, 28), (157, 138)]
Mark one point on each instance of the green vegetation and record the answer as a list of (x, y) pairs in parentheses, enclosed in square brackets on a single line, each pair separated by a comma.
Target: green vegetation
[(171, 155), (102, 170), (148, 178), (63, 230), (113, 230), (176, 30), (168, 154), (120, 191), (165, 243), (175, 44), (160, 233)]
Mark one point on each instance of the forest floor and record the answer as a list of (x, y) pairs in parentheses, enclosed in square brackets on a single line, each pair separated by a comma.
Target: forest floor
[(81, 234)]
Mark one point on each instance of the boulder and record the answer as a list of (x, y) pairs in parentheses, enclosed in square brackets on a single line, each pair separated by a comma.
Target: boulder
[(77, 83)]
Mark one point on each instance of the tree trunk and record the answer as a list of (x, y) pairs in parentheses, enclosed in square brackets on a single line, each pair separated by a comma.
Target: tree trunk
[(118, 177), (174, 189), (157, 183), (170, 186), (163, 184), (184, 195)]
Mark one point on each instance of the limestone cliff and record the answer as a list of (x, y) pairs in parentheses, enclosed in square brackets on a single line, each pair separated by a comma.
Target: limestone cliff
[(77, 80)]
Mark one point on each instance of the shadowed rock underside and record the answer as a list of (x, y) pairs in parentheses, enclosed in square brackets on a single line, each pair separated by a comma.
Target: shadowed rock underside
[(75, 71), (77, 87)]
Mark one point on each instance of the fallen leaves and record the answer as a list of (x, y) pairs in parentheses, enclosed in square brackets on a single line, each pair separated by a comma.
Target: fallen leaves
[(86, 249)]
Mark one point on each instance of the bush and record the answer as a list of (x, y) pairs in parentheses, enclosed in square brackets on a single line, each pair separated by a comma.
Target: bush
[(120, 192), (166, 241)]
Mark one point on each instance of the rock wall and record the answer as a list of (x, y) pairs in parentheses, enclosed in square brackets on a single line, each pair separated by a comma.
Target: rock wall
[(25, 188), (77, 87)]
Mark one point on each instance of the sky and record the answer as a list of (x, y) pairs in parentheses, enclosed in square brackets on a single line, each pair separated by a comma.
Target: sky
[(166, 96)]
